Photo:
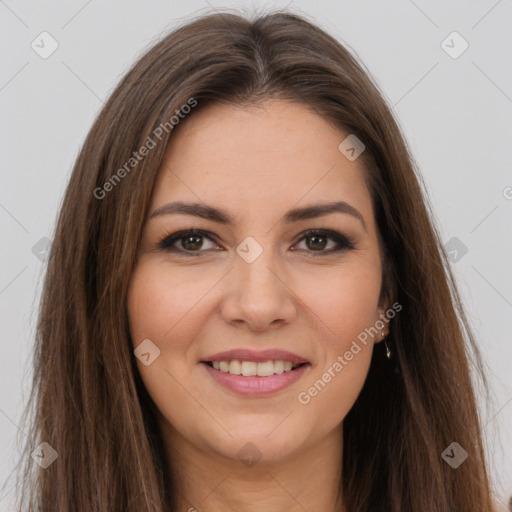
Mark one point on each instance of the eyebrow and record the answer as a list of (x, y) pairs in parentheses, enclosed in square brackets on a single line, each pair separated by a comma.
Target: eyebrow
[(223, 217)]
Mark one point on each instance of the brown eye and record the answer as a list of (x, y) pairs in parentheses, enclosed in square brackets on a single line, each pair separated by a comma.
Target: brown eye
[(188, 242), (192, 242), (316, 242), (325, 241)]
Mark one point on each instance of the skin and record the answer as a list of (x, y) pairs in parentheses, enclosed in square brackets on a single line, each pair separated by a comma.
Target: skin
[(256, 163)]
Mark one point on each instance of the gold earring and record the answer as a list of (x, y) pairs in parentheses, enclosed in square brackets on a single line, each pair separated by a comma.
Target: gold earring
[(388, 352)]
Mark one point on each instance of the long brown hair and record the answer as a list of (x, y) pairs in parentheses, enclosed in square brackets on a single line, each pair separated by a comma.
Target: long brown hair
[(88, 401)]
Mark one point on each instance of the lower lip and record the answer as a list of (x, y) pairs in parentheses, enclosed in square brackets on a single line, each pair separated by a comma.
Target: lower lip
[(254, 385)]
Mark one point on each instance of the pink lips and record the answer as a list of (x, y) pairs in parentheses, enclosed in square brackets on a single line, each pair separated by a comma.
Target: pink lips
[(254, 385), (258, 356)]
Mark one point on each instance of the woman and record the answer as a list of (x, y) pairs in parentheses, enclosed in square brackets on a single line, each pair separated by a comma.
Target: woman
[(247, 305)]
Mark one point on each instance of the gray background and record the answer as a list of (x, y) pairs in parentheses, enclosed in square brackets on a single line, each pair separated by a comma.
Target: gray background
[(455, 112)]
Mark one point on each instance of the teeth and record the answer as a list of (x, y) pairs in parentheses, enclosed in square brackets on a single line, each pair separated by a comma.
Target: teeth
[(278, 366), (264, 369), (235, 367), (251, 368)]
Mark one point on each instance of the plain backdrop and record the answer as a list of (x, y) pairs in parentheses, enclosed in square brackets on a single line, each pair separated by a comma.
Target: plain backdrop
[(451, 93)]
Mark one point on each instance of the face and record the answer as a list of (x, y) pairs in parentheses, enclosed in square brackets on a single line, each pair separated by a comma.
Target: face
[(268, 284)]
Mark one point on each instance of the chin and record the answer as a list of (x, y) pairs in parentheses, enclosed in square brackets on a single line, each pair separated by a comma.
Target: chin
[(264, 445)]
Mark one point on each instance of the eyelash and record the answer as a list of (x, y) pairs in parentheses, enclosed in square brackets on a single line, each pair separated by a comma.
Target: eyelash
[(166, 244)]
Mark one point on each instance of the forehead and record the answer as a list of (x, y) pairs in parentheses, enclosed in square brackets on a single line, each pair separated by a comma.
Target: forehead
[(268, 157)]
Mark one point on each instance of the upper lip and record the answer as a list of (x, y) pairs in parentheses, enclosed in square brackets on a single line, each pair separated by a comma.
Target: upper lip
[(258, 356)]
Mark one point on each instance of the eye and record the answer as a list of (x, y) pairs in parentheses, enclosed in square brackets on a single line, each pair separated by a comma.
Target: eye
[(188, 241), (317, 240)]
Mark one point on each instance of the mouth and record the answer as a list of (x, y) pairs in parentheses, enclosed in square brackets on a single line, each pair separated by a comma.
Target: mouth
[(254, 368), (255, 378)]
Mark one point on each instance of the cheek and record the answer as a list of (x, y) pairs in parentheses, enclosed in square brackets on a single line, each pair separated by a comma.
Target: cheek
[(344, 300), (163, 307), (345, 303), (164, 304)]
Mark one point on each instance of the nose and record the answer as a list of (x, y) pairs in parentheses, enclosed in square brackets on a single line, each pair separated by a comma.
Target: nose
[(257, 295)]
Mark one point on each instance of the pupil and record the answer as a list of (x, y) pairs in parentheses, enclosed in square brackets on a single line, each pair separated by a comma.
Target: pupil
[(317, 245), (196, 244)]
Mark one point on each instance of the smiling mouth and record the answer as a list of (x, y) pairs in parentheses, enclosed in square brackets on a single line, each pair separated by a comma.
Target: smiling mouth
[(252, 368)]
